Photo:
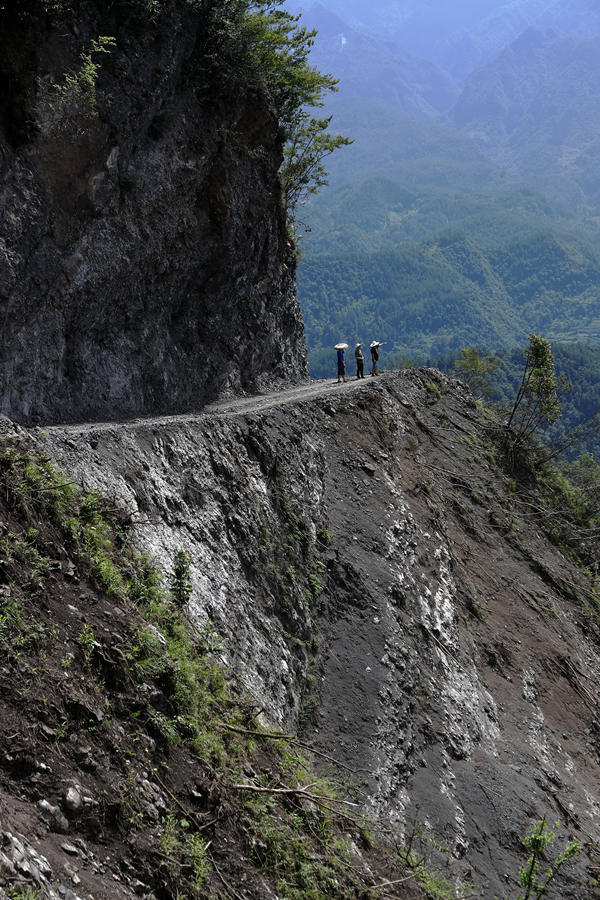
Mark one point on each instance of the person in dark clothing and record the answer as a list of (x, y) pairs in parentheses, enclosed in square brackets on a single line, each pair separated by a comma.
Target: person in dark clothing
[(341, 364), (360, 362), (374, 358)]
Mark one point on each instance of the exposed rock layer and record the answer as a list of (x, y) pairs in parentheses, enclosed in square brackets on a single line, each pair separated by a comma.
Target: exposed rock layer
[(376, 580), (145, 264)]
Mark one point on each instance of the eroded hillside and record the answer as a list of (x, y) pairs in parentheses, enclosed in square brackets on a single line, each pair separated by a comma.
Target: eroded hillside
[(381, 584), (131, 763)]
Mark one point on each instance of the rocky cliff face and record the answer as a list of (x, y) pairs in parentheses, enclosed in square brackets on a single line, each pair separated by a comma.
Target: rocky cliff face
[(144, 259), (379, 583)]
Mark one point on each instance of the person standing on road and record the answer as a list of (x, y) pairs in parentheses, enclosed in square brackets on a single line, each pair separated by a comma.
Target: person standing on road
[(375, 345), (360, 362), (374, 357), (341, 364)]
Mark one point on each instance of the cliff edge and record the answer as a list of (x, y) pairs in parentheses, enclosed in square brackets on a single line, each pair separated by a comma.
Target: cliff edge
[(145, 263)]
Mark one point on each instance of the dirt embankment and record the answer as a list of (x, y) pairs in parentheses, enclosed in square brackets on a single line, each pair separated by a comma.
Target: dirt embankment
[(131, 765), (381, 584)]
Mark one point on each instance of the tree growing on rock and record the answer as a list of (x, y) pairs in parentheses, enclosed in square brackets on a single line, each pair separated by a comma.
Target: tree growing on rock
[(531, 877), (256, 46), (537, 404), (180, 581)]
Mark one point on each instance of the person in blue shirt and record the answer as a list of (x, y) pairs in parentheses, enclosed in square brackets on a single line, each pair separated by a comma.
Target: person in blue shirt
[(341, 363)]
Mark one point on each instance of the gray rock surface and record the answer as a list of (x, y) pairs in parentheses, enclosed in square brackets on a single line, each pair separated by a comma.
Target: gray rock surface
[(145, 264), (377, 583)]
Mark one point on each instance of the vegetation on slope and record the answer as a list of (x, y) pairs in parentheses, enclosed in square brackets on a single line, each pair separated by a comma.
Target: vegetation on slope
[(565, 495), (578, 368), (375, 214)]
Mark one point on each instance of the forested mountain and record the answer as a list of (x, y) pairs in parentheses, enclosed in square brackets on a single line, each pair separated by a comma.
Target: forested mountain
[(411, 151), (480, 226), (379, 213), (448, 292)]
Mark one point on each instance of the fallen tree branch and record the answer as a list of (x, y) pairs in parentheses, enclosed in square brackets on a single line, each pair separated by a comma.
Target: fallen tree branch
[(386, 884), (224, 882), (291, 739), (299, 792)]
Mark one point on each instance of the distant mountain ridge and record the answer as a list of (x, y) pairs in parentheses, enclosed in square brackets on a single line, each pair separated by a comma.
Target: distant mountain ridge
[(464, 35), (463, 52), (530, 112), (415, 150), (476, 225), (534, 111), (369, 65)]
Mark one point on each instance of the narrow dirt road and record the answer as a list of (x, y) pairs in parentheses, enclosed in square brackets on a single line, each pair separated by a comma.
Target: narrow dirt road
[(237, 406)]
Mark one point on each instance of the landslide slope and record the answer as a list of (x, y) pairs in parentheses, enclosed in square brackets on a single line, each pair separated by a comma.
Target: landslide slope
[(131, 764), (382, 584)]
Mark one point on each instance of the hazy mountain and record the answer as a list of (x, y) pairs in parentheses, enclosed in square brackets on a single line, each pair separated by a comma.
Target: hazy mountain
[(503, 26), (461, 36), (409, 150), (369, 65), (478, 44), (535, 110), (418, 24)]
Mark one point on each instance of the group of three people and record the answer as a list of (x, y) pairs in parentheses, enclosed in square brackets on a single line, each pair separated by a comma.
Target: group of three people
[(360, 360)]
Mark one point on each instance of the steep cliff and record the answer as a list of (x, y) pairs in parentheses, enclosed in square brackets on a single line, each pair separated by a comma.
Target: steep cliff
[(381, 584), (145, 264)]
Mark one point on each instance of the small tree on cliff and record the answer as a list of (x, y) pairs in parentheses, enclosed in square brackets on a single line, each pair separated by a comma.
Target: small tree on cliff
[(536, 405), (283, 47), (531, 877), (255, 46), (303, 172)]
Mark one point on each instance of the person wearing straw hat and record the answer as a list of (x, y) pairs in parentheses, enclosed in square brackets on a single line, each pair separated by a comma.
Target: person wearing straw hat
[(360, 361), (341, 362), (375, 345)]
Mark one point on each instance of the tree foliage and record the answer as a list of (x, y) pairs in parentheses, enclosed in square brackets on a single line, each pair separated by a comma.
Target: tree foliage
[(180, 581), (257, 47), (303, 172), (531, 878), (477, 371), (537, 403), (73, 100)]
